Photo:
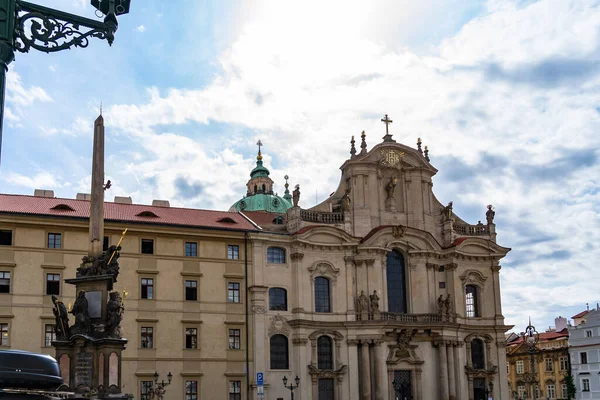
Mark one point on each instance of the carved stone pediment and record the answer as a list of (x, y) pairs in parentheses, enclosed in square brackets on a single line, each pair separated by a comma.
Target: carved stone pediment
[(278, 325), (324, 269), (328, 373), (472, 277), (481, 373), (403, 350)]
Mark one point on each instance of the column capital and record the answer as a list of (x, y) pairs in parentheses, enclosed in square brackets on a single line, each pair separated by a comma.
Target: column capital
[(352, 342), (296, 256)]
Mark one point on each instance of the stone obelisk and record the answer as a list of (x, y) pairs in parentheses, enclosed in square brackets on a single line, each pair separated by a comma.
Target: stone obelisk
[(97, 191)]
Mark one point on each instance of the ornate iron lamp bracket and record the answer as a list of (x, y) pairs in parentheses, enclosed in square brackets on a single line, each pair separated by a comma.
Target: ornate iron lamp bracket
[(50, 30)]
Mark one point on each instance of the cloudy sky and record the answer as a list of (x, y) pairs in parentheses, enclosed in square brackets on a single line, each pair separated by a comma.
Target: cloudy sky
[(505, 93)]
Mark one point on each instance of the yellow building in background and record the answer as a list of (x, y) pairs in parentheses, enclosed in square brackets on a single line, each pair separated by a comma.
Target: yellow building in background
[(551, 360)]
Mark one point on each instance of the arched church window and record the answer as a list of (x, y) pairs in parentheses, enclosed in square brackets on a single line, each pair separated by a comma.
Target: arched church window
[(277, 299), (322, 295), (477, 354), (276, 255), (396, 282), (472, 301), (325, 352), (264, 188), (255, 189), (279, 352)]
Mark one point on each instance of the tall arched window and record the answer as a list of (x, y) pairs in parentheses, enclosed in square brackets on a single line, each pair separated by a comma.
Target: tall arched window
[(264, 189), (325, 352), (276, 255), (322, 297), (472, 302), (396, 282), (279, 352), (277, 299), (477, 354)]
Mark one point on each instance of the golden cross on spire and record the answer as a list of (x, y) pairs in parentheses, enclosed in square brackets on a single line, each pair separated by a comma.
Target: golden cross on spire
[(387, 123), (259, 144)]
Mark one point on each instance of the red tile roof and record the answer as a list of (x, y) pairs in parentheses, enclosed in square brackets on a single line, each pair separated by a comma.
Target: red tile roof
[(262, 218), (546, 336), (32, 205), (581, 314)]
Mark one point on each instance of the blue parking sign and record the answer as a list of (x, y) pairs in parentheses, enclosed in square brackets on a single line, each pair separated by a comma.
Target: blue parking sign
[(260, 378)]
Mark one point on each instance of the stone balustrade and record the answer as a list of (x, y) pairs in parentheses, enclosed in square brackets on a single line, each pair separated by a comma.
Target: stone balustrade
[(406, 318), (322, 217), (471, 230)]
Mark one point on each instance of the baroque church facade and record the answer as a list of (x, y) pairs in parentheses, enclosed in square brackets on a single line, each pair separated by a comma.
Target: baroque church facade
[(379, 292)]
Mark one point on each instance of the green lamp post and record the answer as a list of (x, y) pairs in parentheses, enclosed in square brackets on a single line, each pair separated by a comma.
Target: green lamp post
[(25, 25)]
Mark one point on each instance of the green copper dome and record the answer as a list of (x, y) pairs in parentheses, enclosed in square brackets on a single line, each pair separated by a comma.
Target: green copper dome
[(263, 202), (259, 170)]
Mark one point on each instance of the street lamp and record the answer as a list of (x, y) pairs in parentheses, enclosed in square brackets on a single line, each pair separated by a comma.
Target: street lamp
[(25, 25), (531, 338), (291, 386), (159, 390), (402, 390)]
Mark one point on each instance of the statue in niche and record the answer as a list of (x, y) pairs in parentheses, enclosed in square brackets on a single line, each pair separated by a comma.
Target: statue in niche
[(447, 212), (363, 302), (83, 323), (374, 299), (391, 187), (114, 309), (61, 326), (346, 201), (441, 305), (489, 215), (296, 195)]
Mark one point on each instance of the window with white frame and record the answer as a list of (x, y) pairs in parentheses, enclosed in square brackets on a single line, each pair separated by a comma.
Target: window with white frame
[(588, 333), (564, 390), (549, 364), (521, 390), (583, 357), (507, 368), (520, 367), (550, 391), (564, 363), (585, 385), (4, 335)]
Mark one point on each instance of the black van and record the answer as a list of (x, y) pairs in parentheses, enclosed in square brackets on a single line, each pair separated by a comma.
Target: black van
[(25, 370)]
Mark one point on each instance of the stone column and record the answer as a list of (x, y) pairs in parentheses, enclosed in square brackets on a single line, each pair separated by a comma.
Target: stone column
[(353, 369), (443, 371), (451, 371), (379, 378), (365, 374)]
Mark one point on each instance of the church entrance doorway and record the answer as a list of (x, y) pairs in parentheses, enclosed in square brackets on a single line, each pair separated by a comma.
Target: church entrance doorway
[(402, 385), (479, 389), (326, 389)]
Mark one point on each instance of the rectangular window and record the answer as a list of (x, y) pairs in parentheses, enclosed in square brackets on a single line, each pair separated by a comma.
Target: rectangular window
[(583, 357), (233, 292), (233, 252), (235, 390), (147, 288), (563, 361), (550, 391), (191, 290), (5, 238), (549, 365), (191, 338), (105, 243), (54, 240), (588, 333), (3, 334), (49, 335), (191, 390), (146, 390), (507, 368), (471, 301), (147, 246), (563, 391), (520, 367), (53, 284), (234, 339), (521, 390), (191, 249), (585, 384), (147, 337), (4, 282)]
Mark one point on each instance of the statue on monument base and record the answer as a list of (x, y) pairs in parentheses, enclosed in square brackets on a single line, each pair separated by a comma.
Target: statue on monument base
[(61, 326), (83, 324), (115, 309), (106, 264)]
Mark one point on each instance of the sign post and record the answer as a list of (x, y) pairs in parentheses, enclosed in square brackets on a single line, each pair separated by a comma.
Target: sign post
[(260, 381)]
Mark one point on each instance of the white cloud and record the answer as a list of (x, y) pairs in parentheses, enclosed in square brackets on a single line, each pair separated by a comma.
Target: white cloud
[(141, 28), (42, 180)]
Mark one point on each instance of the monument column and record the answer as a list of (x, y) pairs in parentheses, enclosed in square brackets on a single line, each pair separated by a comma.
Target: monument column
[(365, 374), (451, 371), (97, 192), (443, 371)]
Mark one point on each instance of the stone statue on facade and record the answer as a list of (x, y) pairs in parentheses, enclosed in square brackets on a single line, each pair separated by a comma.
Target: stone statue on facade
[(346, 201), (441, 303), (448, 307), (489, 215), (61, 326), (374, 300), (447, 212), (391, 187), (114, 310), (296, 195), (83, 323), (363, 302)]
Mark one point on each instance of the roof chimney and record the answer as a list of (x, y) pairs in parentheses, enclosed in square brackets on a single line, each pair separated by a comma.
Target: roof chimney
[(560, 323), (123, 200), (83, 196), (43, 193), (161, 203)]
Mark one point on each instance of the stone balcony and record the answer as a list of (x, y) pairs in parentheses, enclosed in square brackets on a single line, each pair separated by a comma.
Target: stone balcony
[(426, 319)]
